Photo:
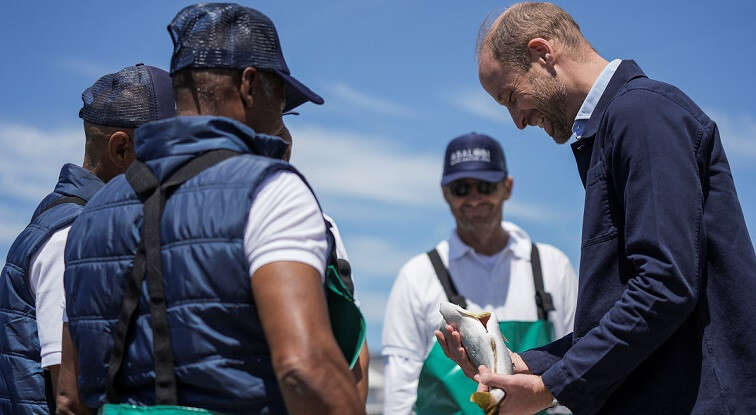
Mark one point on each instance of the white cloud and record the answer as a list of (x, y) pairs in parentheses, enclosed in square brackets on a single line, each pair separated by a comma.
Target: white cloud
[(529, 211), (32, 158), (375, 256), (351, 164), (477, 102), (738, 133), (369, 102), (354, 165)]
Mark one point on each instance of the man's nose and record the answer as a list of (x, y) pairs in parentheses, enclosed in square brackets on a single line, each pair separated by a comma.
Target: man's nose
[(519, 118)]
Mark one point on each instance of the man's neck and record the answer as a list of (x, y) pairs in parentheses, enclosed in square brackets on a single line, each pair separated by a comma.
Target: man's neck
[(485, 241), (582, 75)]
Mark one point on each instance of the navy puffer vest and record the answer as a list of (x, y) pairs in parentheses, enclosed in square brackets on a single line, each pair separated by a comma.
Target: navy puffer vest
[(22, 381), (222, 361)]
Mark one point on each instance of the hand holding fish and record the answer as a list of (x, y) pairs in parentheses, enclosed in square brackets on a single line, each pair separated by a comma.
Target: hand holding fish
[(525, 394), (451, 344), (482, 343)]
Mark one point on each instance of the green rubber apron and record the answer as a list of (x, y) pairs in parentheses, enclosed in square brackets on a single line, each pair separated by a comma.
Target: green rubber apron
[(443, 389), (347, 322)]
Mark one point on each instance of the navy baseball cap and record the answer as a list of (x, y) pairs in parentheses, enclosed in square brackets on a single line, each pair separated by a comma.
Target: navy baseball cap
[(474, 156), (129, 98), (227, 35)]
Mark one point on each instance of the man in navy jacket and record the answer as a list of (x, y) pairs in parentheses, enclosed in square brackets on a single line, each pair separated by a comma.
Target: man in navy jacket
[(667, 268)]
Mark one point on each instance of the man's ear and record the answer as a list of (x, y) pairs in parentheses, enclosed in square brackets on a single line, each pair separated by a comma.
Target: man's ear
[(508, 186), (247, 85), (541, 52), (445, 192), (121, 150)]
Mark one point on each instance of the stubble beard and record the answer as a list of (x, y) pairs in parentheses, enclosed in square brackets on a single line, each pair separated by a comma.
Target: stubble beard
[(550, 96)]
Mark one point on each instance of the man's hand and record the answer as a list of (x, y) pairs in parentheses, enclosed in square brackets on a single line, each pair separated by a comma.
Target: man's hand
[(525, 394), (67, 397), (520, 368), (453, 349)]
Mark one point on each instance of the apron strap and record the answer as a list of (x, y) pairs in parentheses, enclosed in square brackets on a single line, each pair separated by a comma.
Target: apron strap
[(148, 262), (543, 299), (445, 279)]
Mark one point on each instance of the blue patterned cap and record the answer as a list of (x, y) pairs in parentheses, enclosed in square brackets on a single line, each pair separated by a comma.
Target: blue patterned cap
[(474, 156), (129, 98), (227, 35)]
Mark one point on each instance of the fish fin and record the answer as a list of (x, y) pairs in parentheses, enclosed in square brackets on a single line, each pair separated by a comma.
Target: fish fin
[(495, 356), (485, 401)]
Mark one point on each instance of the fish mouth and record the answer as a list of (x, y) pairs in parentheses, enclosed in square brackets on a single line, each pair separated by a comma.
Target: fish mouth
[(483, 317)]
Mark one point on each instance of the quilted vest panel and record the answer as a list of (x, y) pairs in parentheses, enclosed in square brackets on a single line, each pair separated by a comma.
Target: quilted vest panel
[(22, 380), (222, 361)]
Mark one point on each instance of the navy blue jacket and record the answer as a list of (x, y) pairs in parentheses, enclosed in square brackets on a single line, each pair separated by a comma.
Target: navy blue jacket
[(664, 320), (22, 379), (222, 361)]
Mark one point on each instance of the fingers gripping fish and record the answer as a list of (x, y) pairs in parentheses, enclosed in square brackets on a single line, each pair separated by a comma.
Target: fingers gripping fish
[(484, 345)]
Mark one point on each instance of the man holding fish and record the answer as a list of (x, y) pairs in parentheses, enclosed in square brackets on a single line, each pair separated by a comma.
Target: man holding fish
[(664, 321), (529, 290)]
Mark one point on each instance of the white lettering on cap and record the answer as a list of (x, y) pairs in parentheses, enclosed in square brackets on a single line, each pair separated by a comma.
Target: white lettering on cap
[(469, 154)]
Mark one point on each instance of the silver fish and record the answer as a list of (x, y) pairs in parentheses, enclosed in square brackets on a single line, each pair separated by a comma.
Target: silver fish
[(484, 345)]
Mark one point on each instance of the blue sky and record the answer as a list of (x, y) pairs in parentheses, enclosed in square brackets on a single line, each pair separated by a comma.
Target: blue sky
[(399, 79)]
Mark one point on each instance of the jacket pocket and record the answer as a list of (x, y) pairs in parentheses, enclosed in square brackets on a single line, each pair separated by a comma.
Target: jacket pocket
[(598, 224)]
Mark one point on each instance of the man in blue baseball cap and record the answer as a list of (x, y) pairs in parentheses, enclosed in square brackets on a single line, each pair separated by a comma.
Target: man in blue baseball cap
[(486, 264), (202, 284), (31, 286)]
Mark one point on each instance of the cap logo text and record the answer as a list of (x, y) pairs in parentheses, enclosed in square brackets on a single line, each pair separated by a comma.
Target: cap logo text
[(469, 154)]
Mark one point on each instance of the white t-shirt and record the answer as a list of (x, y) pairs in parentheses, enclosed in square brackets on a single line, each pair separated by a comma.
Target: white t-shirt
[(284, 224), (46, 283), (502, 283)]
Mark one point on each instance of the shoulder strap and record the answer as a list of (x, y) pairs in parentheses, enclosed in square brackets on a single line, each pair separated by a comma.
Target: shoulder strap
[(148, 263), (542, 298), (65, 199), (445, 279)]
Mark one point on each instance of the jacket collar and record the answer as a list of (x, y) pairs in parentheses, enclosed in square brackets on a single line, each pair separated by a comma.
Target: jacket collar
[(626, 71), (77, 181), (173, 141)]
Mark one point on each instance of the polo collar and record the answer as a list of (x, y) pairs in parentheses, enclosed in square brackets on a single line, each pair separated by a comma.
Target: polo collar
[(518, 243)]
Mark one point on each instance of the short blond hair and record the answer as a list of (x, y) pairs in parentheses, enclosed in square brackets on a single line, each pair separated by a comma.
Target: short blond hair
[(508, 35)]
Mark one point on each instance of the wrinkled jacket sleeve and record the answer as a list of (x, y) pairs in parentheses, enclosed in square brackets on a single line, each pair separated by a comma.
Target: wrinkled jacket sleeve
[(652, 168), (541, 358)]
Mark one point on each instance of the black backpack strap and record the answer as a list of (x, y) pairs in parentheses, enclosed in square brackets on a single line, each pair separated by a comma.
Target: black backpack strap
[(148, 263), (445, 279), (65, 199), (542, 298)]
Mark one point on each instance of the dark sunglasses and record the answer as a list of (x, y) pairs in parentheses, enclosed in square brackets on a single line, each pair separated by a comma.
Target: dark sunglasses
[(461, 188)]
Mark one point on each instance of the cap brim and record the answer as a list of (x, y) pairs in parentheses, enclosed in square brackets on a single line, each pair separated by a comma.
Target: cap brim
[(486, 176), (297, 93)]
